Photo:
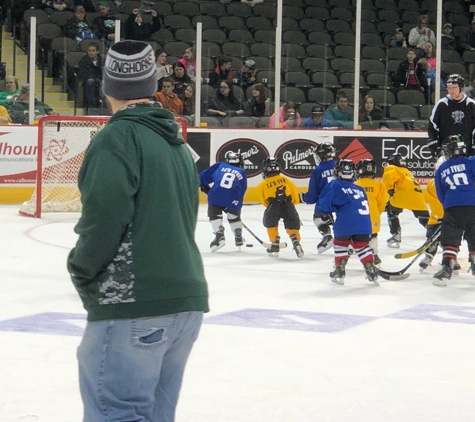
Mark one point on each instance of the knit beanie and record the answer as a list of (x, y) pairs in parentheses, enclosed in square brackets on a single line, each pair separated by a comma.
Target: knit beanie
[(130, 71)]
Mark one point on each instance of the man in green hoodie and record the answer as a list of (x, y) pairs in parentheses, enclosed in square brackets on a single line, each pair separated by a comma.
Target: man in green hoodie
[(136, 265)]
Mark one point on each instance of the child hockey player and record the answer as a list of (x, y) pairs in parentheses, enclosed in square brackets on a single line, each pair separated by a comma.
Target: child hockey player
[(404, 193), (352, 223), (455, 185), (320, 177), (279, 195), (229, 183), (377, 199)]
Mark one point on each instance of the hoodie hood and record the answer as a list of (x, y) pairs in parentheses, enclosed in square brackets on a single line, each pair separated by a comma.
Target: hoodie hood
[(153, 116)]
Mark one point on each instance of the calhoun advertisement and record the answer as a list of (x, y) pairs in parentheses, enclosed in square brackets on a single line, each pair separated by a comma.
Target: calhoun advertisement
[(18, 155), (415, 150)]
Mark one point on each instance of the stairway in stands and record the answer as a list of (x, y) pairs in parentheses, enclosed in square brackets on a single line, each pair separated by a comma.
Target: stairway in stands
[(54, 96)]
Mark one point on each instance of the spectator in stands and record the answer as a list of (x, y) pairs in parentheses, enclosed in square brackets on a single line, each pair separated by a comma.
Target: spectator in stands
[(78, 27), (467, 38), (90, 72), (408, 74), (448, 39), (371, 115), (137, 29), (316, 120), (421, 33), (189, 62), (469, 91), (4, 116), (181, 80), (258, 105), (225, 103), (429, 78), (398, 39), (168, 98), (248, 74), (104, 24), (19, 110), (189, 101), (222, 71), (163, 69), (51, 6), (12, 89), (340, 115), (287, 115), (87, 4)]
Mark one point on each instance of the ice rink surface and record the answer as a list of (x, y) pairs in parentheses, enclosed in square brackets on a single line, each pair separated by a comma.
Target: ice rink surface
[(281, 343)]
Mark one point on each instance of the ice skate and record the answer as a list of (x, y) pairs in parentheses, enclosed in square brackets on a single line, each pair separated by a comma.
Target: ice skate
[(441, 276), (377, 260), (394, 241), (238, 239), (425, 263), (274, 247), (219, 241), (325, 244), (338, 274), (457, 268), (472, 264), (371, 273), (297, 246)]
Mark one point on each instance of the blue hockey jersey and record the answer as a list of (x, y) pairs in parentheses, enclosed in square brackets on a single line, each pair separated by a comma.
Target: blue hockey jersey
[(350, 204), (455, 182), (229, 185), (320, 177)]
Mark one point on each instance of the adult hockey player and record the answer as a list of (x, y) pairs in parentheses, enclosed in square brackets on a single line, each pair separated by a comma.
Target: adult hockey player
[(322, 174), (453, 114), (352, 224), (228, 185), (404, 193), (455, 185)]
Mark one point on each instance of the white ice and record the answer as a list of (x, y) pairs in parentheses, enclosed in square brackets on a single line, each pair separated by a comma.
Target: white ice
[(401, 352)]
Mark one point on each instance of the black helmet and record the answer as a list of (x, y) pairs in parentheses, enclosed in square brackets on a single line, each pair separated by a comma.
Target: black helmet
[(453, 147), (456, 79), (396, 160), (366, 167), (235, 159), (326, 150), (270, 167), (344, 169)]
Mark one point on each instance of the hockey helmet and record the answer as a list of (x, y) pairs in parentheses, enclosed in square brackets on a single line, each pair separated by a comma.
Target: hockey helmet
[(453, 147), (456, 79), (396, 160), (235, 159), (344, 169), (270, 167), (326, 150), (366, 167)]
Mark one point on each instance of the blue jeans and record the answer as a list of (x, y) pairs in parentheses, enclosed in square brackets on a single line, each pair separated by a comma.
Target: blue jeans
[(131, 370)]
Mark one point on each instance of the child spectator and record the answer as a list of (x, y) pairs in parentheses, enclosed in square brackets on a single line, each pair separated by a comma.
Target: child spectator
[(181, 80), (279, 195), (222, 71), (228, 185), (137, 29), (168, 98), (258, 105), (189, 62), (287, 115), (316, 120), (189, 101), (448, 39), (398, 39), (248, 74), (408, 74), (352, 224)]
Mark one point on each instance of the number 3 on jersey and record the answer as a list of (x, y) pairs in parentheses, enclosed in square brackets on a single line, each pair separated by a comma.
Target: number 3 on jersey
[(364, 203)]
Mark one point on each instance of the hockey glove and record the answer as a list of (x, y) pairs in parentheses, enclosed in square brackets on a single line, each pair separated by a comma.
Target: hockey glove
[(435, 148), (205, 189)]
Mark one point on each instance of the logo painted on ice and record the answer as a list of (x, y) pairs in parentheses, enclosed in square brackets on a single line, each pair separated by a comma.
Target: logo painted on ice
[(252, 152), (355, 152), (298, 158)]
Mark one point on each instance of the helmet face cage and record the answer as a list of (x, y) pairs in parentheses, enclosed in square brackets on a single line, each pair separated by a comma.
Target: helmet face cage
[(270, 166), (345, 169), (454, 147), (456, 79), (396, 160), (235, 159), (326, 150), (366, 167)]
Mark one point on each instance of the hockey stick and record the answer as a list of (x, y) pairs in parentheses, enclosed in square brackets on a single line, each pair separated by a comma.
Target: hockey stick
[(426, 245), (266, 245)]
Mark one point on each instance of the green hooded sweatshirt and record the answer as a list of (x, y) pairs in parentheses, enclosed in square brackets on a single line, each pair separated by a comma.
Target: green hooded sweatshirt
[(136, 255)]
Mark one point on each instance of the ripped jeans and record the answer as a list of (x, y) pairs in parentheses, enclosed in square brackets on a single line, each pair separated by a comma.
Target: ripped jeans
[(131, 370)]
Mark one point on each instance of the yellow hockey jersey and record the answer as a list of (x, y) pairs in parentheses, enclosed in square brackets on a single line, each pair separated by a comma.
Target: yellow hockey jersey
[(407, 192), (436, 208), (271, 187), (377, 200)]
